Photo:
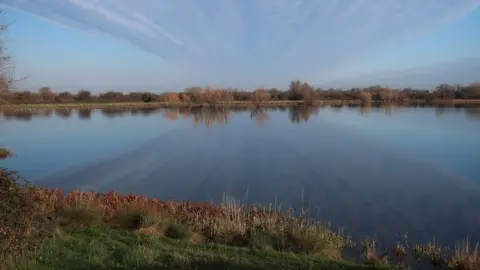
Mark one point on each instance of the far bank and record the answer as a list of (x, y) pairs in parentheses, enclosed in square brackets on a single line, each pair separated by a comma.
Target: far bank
[(152, 105)]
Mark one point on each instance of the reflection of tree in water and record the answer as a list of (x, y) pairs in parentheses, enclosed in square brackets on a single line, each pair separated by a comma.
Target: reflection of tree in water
[(27, 115), (203, 116), (144, 111), (387, 108), (473, 113), (303, 113), (171, 114), (336, 107), (47, 113), (63, 113), (210, 117), (260, 115), (22, 116), (112, 113), (439, 111), (84, 114), (365, 109)]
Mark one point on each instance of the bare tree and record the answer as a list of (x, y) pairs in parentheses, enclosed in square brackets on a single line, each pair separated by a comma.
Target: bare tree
[(472, 91), (366, 97), (84, 95), (385, 94), (6, 65), (301, 91), (47, 94), (260, 95)]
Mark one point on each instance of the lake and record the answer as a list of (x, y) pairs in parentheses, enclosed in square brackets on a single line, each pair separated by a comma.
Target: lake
[(375, 171)]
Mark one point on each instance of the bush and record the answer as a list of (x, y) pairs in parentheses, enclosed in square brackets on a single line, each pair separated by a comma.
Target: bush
[(80, 216), (147, 98), (14, 224), (5, 153), (84, 95)]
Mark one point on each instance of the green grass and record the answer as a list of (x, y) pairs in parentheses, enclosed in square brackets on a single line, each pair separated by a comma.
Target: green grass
[(48, 229), (103, 248)]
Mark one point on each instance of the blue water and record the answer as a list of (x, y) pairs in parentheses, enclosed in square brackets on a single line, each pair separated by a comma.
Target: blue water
[(378, 171)]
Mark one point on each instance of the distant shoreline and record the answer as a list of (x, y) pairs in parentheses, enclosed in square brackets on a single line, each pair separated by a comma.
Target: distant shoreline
[(155, 105)]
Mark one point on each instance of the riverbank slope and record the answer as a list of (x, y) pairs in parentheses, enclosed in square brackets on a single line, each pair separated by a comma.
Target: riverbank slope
[(50, 229)]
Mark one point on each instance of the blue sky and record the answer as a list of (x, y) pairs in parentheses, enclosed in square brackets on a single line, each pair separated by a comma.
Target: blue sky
[(167, 45)]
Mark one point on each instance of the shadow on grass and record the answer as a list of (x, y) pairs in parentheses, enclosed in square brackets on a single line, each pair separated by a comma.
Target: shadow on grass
[(101, 248), (225, 265)]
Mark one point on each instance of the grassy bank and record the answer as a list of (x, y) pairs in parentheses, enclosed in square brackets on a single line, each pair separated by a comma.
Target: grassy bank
[(106, 248), (142, 105), (49, 229)]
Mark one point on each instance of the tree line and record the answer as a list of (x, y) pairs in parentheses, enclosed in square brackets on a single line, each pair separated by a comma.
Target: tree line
[(297, 91)]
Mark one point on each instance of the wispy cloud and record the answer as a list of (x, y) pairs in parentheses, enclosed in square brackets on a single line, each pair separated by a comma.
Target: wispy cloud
[(308, 36)]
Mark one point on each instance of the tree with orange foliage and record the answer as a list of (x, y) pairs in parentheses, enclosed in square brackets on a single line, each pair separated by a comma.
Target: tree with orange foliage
[(260, 95), (185, 98), (386, 94), (171, 97), (213, 96), (366, 96)]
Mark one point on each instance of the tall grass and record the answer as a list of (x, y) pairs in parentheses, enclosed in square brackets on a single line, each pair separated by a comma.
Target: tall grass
[(30, 213), (230, 222)]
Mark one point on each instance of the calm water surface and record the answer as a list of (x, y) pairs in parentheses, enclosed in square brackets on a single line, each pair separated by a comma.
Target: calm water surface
[(376, 171)]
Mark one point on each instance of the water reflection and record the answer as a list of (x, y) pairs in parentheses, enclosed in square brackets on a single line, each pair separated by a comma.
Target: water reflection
[(368, 173), (365, 110), (22, 116), (209, 117), (302, 114), (473, 113), (63, 113), (113, 113), (84, 114), (144, 111), (260, 115)]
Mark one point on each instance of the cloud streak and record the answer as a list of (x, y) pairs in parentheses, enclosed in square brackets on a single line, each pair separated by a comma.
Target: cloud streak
[(222, 36)]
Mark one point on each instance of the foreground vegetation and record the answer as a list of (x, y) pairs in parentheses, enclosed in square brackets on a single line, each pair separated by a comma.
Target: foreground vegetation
[(106, 248), (49, 229)]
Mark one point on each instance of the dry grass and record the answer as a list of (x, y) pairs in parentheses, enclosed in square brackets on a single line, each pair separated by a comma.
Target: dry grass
[(371, 253), (139, 105), (229, 223), (465, 257), (456, 101), (29, 213)]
